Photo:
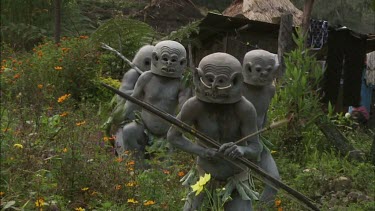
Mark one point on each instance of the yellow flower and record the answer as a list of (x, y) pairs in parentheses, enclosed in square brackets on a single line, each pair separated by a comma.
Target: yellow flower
[(65, 150), (63, 98), (2, 193), (81, 123), (130, 184), (79, 209), (105, 138), (39, 202), (40, 86), (273, 151), (118, 187), (58, 68), (84, 189), (18, 146), (132, 201), (149, 202), (198, 187)]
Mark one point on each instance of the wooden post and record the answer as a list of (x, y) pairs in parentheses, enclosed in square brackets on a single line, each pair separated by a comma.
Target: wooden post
[(306, 16), (285, 40)]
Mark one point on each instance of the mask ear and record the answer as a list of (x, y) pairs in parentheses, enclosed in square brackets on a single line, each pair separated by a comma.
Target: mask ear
[(196, 72), (155, 58), (247, 67), (277, 63), (183, 62), (237, 79)]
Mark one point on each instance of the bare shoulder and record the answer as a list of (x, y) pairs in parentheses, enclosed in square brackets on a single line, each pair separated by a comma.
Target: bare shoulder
[(245, 107), (145, 78), (192, 104)]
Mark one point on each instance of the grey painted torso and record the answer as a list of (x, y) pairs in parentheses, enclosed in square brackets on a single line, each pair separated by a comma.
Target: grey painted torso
[(260, 97)]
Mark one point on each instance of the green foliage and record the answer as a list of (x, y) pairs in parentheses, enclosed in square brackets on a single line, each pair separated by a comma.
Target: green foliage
[(125, 35), (183, 34), (52, 71), (296, 96), (24, 23)]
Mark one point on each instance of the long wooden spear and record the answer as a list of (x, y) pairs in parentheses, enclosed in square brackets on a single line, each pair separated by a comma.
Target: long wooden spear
[(105, 46), (185, 127)]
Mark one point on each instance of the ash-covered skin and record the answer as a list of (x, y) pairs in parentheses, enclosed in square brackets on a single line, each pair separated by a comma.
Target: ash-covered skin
[(168, 59), (259, 67), (219, 111), (218, 79), (142, 60), (161, 87)]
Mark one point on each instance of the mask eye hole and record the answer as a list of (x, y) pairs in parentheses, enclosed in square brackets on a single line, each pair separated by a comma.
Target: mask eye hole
[(165, 59), (249, 69), (156, 58), (147, 62), (258, 69)]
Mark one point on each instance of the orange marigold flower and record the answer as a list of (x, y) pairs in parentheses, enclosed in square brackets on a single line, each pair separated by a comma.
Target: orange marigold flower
[(181, 173), (83, 37), (16, 76), (2, 193), (166, 171), (65, 49), (40, 86), (81, 123), (277, 202), (118, 187), (106, 138), (149, 202), (58, 68), (119, 160), (65, 150), (63, 98), (64, 114), (130, 163), (39, 53)]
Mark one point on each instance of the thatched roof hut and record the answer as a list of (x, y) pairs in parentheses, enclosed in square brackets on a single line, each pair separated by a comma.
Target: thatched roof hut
[(267, 11)]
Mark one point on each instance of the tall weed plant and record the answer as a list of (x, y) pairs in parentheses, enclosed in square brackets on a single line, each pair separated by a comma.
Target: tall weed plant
[(296, 97)]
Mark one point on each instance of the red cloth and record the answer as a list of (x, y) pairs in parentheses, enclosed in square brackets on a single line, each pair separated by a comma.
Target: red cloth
[(363, 111)]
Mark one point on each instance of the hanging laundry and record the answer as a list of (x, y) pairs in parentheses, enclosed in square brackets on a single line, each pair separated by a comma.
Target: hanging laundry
[(345, 62), (370, 70), (318, 33)]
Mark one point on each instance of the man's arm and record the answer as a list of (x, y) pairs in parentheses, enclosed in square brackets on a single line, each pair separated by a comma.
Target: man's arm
[(128, 81), (188, 114), (138, 93), (251, 147)]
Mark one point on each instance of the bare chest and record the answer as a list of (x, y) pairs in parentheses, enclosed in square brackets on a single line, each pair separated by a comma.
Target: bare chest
[(164, 90), (220, 123)]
